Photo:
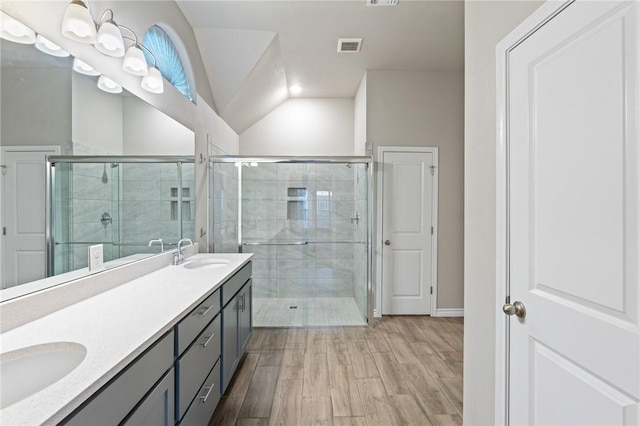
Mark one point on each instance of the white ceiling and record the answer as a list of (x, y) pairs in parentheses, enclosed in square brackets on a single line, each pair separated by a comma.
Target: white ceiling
[(253, 50)]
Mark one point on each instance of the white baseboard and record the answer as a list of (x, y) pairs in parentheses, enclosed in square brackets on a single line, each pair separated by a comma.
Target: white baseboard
[(376, 314), (448, 312)]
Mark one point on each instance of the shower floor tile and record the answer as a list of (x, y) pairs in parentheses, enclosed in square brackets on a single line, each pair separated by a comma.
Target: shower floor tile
[(308, 312)]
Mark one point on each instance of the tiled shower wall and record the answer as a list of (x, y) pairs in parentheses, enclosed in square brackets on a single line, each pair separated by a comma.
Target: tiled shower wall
[(149, 205), (224, 207), (310, 207), (141, 199), (87, 199)]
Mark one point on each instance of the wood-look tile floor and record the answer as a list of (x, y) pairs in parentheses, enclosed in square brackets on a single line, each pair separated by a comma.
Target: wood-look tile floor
[(402, 370)]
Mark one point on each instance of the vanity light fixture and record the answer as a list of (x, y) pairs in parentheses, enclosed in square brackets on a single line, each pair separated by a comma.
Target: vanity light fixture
[(50, 48), (108, 85), (13, 30), (152, 79), (109, 38), (134, 61), (84, 68), (77, 23), (152, 82)]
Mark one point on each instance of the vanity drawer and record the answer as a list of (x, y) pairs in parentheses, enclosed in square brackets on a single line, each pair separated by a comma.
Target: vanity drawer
[(206, 401), (193, 323), (115, 400), (196, 363), (235, 283)]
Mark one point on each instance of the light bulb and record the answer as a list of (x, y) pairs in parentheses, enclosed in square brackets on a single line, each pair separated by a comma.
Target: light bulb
[(77, 23), (134, 61), (152, 82), (110, 40), (84, 68), (47, 46), (108, 85), (13, 30)]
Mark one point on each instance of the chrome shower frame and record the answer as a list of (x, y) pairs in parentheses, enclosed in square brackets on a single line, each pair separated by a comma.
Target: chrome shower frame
[(367, 160)]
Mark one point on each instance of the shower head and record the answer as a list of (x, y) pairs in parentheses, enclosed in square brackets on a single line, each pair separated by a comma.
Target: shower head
[(348, 165), (114, 165)]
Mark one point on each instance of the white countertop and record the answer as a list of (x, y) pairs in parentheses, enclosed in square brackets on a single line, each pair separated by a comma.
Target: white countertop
[(115, 327)]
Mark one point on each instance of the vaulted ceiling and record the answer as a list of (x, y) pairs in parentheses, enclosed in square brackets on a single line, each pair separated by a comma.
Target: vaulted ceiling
[(254, 50)]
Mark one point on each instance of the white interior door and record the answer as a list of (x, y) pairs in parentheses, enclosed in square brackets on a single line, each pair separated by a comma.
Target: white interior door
[(407, 234), (23, 207), (573, 117)]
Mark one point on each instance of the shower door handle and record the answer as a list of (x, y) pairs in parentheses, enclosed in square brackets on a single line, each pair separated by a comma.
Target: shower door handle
[(387, 242)]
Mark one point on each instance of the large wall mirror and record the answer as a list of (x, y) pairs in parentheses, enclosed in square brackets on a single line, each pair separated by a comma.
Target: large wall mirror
[(121, 172)]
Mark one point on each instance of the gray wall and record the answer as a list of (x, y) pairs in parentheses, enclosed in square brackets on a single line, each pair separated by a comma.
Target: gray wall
[(416, 108), (36, 117), (486, 23), (303, 126)]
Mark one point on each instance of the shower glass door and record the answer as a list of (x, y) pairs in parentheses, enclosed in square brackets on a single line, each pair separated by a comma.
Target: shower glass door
[(306, 222)]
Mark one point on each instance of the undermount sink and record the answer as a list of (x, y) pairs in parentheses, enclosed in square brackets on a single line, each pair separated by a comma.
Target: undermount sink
[(206, 264), (29, 370)]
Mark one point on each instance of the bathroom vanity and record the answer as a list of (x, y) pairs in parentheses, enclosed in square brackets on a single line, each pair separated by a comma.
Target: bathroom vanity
[(159, 349)]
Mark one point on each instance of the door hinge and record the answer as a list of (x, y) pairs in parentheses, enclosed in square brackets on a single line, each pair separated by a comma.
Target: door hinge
[(4, 230), (433, 170), (432, 230), (431, 289)]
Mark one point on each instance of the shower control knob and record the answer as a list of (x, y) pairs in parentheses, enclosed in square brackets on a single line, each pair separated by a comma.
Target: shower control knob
[(387, 242)]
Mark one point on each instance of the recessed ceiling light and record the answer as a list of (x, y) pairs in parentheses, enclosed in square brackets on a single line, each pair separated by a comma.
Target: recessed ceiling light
[(295, 89)]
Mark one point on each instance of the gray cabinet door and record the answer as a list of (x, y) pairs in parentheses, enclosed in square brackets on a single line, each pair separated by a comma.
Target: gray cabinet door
[(229, 340), (157, 408), (244, 317), (113, 403)]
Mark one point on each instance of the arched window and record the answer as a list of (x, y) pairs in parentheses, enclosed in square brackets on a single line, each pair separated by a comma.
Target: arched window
[(169, 62)]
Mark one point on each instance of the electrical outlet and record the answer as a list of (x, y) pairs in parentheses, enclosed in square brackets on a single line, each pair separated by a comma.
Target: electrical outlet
[(96, 259)]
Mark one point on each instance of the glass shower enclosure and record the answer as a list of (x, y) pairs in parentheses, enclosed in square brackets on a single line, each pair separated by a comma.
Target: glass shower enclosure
[(120, 202), (307, 222)]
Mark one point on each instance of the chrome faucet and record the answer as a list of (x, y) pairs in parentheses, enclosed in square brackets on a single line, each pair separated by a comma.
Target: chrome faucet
[(158, 241), (179, 257)]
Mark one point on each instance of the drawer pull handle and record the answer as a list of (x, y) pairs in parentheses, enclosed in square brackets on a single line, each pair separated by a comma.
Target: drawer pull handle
[(241, 303), (206, 310), (204, 345), (206, 395)]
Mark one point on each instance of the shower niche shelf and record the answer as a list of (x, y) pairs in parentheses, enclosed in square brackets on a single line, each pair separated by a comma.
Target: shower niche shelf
[(297, 205)]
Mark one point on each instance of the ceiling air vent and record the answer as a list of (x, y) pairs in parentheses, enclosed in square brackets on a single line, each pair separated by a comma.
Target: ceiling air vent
[(382, 2), (349, 45)]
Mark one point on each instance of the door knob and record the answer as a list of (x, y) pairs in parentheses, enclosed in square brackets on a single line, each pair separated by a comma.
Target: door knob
[(387, 242), (516, 309)]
